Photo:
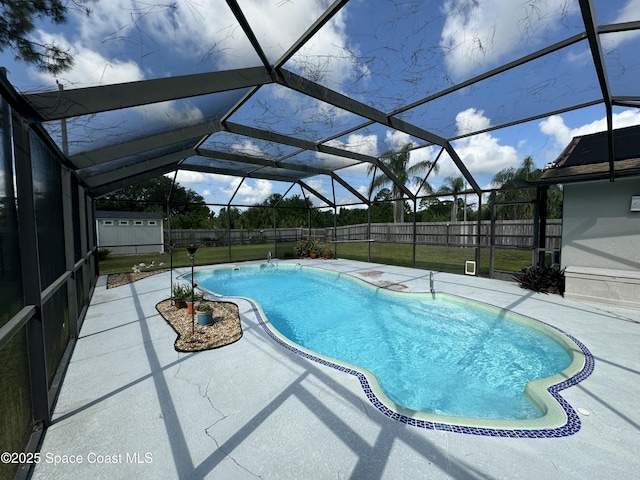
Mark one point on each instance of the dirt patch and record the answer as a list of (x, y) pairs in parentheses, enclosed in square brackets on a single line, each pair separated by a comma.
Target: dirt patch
[(119, 279), (226, 327), (370, 273), (392, 286)]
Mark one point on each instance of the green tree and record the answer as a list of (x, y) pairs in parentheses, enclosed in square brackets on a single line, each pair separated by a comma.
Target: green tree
[(293, 212), (231, 218), (518, 185), (383, 209), (352, 216), (398, 164), (453, 186), (186, 207), (17, 21), (434, 210)]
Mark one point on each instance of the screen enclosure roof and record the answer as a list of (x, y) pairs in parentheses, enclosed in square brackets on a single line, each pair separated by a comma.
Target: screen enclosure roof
[(282, 96)]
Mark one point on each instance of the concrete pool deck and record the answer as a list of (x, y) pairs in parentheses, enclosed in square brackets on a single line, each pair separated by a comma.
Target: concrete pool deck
[(130, 406)]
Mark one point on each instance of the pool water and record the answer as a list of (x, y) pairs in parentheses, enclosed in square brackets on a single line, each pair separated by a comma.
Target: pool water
[(429, 354)]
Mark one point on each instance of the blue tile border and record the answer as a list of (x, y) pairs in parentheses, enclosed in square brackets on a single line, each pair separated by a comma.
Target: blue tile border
[(571, 426)]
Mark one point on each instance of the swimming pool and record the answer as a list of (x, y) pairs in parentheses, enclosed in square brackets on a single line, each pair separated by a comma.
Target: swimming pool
[(443, 356)]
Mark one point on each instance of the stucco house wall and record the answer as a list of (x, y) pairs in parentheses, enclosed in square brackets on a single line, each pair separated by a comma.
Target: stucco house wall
[(130, 232), (601, 242)]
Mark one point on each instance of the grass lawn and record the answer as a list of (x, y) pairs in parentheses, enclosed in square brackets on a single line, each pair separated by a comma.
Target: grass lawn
[(428, 257), (434, 257), (204, 256)]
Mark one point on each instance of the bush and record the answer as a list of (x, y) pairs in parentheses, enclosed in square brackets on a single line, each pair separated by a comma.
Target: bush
[(304, 247), (103, 254), (547, 279)]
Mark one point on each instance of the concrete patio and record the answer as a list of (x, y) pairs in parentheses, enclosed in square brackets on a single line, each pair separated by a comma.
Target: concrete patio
[(130, 406)]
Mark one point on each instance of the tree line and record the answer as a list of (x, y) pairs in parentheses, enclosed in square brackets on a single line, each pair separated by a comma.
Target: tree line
[(451, 202)]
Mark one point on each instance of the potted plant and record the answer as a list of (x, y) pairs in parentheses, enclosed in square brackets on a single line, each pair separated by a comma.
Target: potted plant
[(205, 314), (179, 295), (328, 253), (191, 296), (313, 254)]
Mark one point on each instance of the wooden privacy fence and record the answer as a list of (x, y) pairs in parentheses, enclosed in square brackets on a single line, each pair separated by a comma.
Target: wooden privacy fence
[(508, 234), (235, 236)]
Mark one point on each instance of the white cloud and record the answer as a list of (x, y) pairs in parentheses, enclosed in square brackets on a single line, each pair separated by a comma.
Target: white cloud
[(205, 33), (555, 127), (188, 178), (171, 113), (209, 34), (479, 35), (250, 192), (630, 11), (319, 186), (364, 144), (396, 140), (328, 58), (481, 153), (90, 67), (248, 147), (471, 120)]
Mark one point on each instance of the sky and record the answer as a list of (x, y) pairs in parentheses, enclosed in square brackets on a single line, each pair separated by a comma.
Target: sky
[(382, 53)]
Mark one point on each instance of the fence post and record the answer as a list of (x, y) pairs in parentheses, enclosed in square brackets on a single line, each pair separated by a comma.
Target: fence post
[(415, 229), (492, 235), (275, 234), (541, 221), (479, 234)]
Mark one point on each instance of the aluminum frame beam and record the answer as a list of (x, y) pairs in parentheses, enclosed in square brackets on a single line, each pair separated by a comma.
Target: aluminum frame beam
[(591, 27), (316, 193), (118, 172), (308, 145), (140, 145), (261, 162), (59, 104), (110, 187)]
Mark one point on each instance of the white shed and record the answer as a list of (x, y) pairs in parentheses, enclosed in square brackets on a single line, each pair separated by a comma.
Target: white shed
[(601, 218), (127, 233)]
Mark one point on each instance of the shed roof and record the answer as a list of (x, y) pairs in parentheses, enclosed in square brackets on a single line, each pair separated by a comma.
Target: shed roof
[(587, 157), (101, 214)]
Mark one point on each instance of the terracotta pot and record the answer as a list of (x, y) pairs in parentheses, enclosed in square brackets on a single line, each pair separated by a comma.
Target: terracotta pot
[(180, 304), (190, 309)]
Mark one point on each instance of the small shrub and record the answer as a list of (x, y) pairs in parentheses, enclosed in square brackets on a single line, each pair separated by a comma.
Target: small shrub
[(193, 295), (304, 247), (103, 254), (204, 307), (546, 279), (180, 291)]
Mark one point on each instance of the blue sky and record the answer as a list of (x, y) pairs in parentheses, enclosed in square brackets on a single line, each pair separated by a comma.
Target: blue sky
[(384, 54)]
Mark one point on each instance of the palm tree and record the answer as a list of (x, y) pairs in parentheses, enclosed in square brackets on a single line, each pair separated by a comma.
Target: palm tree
[(516, 183), (526, 172), (398, 164), (452, 186)]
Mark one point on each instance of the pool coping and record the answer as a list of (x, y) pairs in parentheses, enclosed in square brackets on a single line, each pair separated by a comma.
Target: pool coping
[(559, 419)]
